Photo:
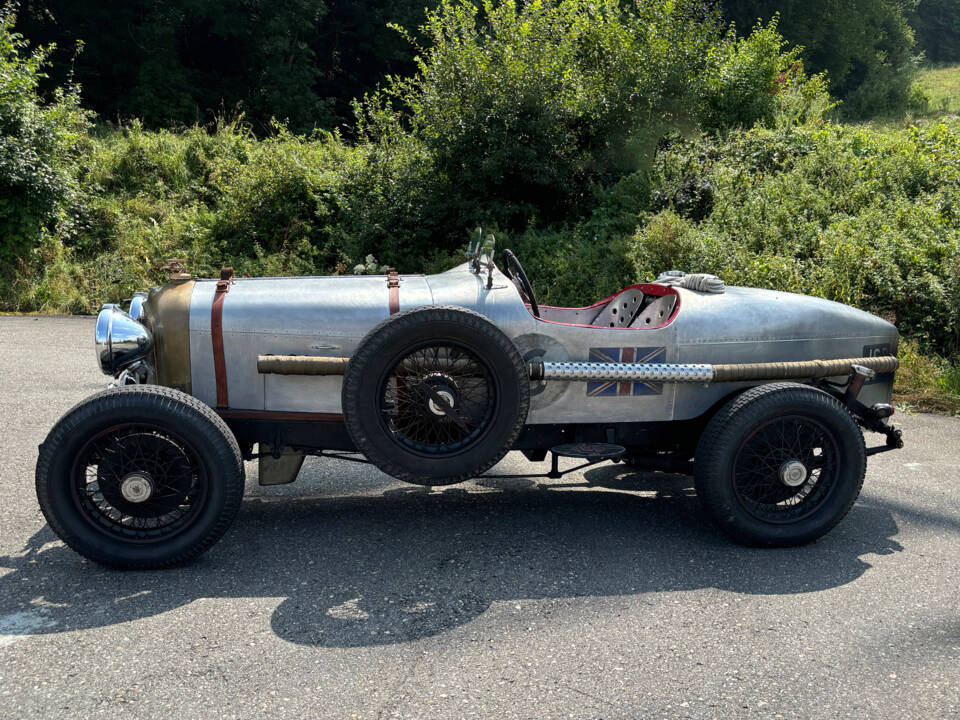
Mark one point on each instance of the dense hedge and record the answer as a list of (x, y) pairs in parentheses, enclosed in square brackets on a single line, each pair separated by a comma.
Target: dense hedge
[(862, 216)]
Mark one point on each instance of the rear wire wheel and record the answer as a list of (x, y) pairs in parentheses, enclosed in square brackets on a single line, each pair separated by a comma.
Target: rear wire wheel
[(785, 469), (780, 465), (435, 395)]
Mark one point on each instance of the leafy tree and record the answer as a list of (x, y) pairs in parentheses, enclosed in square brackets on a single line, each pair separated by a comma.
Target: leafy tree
[(937, 26), (527, 108), (865, 46), (356, 48), (179, 62)]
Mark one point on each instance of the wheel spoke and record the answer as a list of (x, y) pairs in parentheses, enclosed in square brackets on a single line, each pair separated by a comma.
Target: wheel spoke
[(154, 457), (762, 463), (437, 399)]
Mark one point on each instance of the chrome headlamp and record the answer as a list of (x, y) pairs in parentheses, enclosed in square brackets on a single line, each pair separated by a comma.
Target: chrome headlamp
[(136, 306), (120, 340)]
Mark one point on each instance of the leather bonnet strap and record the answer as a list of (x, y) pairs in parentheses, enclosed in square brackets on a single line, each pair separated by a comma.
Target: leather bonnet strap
[(393, 288), (216, 335)]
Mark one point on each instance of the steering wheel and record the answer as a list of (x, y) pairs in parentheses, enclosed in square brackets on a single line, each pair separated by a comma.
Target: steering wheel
[(514, 270)]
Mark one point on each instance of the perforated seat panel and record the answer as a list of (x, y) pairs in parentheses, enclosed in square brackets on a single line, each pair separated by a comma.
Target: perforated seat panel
[(656, 313), (619, 310)]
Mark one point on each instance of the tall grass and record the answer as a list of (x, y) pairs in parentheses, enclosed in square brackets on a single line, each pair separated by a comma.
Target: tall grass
[(941, 86), (926, 382)]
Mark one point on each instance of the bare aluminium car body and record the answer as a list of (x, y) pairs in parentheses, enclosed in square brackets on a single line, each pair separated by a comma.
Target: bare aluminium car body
[(329, 316)]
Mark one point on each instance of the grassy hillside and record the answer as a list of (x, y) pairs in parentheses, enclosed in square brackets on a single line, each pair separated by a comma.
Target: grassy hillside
[(941, 85)]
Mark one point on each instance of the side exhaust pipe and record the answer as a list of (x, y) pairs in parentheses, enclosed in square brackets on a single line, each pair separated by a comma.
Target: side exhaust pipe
[(701, 373), (657, 372)]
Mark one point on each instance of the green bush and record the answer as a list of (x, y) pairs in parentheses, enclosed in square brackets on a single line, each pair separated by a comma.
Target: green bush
[(39, 150), (526, 109), (927, 382), (755, 80), (279, 201)]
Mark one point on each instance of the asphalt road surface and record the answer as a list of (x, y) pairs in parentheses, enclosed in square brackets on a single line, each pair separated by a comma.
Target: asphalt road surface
[(603, 595)]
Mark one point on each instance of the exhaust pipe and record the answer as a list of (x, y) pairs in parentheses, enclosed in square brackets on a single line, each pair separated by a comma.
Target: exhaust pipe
[(701, 373), (637, 372)]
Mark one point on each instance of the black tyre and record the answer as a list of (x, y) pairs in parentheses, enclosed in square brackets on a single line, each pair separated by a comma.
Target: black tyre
[(780, 465), (140, 477), (435, 395)]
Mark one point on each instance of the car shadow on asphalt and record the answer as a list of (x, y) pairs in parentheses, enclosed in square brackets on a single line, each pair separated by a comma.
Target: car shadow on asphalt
[(410, 563)]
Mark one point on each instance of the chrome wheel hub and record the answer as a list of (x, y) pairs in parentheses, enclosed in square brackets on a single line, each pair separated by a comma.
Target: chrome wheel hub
[(137, 487), (793, 473), (434, 407)]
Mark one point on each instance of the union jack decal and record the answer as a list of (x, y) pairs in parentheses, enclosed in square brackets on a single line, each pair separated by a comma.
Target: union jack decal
[(604, 388)]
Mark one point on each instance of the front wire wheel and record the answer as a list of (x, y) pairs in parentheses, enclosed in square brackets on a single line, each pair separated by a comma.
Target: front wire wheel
[(779, 465), (140, 477), (139, 482)]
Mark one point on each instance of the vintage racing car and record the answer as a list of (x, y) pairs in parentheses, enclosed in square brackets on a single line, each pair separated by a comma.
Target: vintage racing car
[(761, 395)]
